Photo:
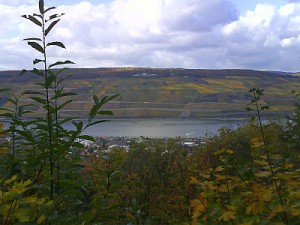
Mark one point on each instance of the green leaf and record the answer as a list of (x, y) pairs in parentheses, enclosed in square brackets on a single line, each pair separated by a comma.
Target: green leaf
[(38, 15), (51, 26), (66, 120), (36, 61), (40, 100), (105, 112), (78, 125), (4, 89), (41, 6), (13, 101), (56, 43), (260, 91), (36, 46), (20, 111), (6, 109), (31, 92), (78, 145), (60, 71), (96, 99), (97, 122), (8, 115), (50, 79), (33, 19), (54, 16), (63, 95), (50, 8), (32, 39), (93, 112), (248, 109), (107, 99), (86, 137), (64, 104), (38, 72), (61, 63), (266, 107), (27, 111)]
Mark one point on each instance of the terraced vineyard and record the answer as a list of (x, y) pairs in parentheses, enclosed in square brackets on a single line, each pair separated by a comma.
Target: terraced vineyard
[(147, 92)]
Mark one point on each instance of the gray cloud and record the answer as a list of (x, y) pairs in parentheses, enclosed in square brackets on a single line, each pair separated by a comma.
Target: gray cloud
[(198, 16), (161, 33)]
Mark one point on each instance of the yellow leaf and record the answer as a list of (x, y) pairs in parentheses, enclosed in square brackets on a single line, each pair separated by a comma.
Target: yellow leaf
[(23, 215), (206, 176), (199, 205), (295, 210), (250, 221), (3, 150), (219, 169), (41, 219), (28, 200), (263, 174), (49, 203), (219, 152), (278, 209), (257, 143), (230, 152), (227, 216), (261, 163), (295, 194), (40, 201), (210, 186), (288, 165), (222, 188), (266, 195), (194, 180), (198, 208), (255, 208), (13, 178), (219, 177)]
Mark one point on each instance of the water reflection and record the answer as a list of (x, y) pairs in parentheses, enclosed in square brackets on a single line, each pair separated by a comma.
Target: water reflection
[(160, 127)]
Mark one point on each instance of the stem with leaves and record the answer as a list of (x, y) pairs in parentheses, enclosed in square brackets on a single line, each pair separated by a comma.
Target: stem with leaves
[(257, 93)]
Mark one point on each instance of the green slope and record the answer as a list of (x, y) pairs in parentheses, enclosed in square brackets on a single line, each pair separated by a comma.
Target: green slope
[(147, 92)]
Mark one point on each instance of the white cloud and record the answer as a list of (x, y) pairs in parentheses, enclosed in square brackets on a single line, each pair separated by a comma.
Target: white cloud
[(17, 2), (266, 38), (160, 33)]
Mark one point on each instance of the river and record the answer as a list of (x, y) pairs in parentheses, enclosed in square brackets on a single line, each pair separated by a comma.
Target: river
[(160, 127)]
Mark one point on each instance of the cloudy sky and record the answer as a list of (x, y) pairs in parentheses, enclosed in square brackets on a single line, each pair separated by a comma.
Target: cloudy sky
[(214, 34)]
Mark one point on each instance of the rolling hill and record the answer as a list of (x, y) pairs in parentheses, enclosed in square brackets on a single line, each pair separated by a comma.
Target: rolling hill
[(152, 92)]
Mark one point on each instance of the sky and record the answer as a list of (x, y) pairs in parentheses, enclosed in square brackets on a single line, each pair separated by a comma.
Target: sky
[(209, 34)]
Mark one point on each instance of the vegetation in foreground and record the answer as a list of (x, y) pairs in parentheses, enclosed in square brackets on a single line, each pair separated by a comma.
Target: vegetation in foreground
[(250, 175)]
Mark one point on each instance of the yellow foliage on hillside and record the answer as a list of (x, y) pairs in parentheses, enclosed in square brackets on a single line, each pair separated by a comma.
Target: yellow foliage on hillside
[(201, 88)]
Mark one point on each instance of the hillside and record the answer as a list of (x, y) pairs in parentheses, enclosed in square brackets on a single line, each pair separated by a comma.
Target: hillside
[(150, 92)]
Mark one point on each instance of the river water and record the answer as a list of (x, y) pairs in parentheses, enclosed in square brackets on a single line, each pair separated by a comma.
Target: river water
[(160, 127)]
